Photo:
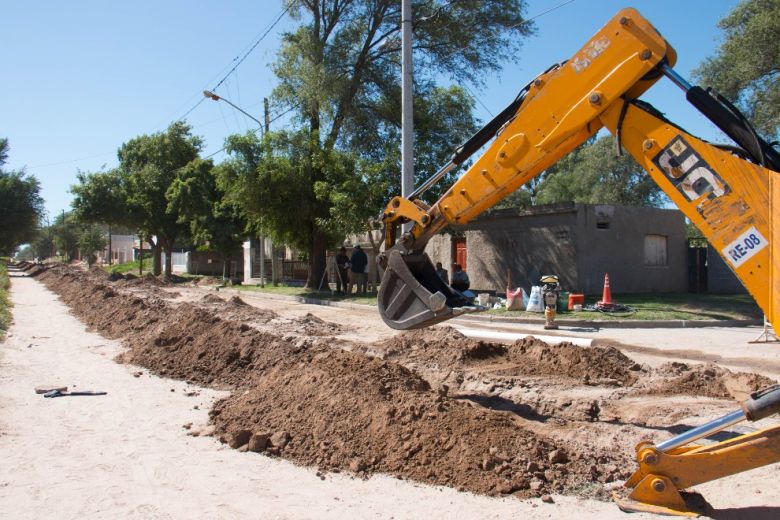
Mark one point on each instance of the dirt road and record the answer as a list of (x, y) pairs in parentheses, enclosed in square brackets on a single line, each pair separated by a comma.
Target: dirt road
[(127, 455)]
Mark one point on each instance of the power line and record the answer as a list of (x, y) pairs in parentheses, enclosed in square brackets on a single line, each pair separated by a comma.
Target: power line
[(534, 17), (202, 99), (542, 14), (69, 161), (278, 18), (240, 60)]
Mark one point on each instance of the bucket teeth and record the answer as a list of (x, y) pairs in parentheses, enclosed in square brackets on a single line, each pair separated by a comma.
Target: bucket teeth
[(412, 296)]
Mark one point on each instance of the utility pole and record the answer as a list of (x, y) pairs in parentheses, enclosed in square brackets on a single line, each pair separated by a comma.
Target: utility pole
[(407, 123), (274, 259), (264, 130)]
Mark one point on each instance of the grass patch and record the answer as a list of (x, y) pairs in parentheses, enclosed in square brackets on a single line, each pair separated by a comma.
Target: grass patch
[(288, 290), (664, 306), (5, 301), (130, 267)]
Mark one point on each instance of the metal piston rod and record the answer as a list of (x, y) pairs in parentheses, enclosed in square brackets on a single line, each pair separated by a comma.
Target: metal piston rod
[(761, 404)]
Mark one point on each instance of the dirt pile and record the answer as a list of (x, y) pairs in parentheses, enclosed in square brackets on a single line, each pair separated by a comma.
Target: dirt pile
[(302, 398), (446, 348), (194, 344), (703, 380), (308, 402), (29, 268), (311, 325), (207, 280), (236, 309), (177, 340), (589, 364), (343, 411)]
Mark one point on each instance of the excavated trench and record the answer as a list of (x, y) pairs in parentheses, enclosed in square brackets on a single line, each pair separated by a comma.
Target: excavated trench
[(432, 405)]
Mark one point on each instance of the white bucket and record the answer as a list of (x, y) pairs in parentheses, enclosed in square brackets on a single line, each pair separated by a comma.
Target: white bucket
[(483, 298)]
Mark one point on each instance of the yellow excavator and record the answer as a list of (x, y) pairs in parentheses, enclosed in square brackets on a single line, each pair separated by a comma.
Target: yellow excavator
[(730, 192)]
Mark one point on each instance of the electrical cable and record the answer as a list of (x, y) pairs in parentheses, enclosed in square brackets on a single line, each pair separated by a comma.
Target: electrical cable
[(534, 17), (252, 48)]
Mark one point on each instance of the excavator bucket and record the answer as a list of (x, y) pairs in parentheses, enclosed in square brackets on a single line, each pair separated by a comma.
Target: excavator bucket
[(412, 295)]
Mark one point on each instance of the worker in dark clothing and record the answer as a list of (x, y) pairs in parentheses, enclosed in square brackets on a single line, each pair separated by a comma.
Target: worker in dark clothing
[(342, 270), (442, 272), (358, 275), (460, 280)]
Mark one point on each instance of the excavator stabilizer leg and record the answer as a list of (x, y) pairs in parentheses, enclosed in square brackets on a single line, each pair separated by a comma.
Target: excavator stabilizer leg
[(412, 295)]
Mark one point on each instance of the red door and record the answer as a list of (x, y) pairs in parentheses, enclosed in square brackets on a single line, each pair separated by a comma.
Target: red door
[(459, 251)]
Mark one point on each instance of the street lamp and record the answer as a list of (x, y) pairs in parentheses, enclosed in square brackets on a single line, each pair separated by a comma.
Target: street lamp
[(211, 95)]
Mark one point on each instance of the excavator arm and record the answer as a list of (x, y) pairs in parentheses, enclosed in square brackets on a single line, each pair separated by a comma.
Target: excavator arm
[(731, 193)]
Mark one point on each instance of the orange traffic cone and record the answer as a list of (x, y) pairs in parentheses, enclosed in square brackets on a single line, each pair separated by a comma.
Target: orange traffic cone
[(606, 298)]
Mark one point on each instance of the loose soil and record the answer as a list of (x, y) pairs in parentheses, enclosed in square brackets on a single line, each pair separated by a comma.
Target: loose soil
[(432, 405)]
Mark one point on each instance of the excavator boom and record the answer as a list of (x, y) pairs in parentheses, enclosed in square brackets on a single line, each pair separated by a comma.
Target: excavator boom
[(732, 195)]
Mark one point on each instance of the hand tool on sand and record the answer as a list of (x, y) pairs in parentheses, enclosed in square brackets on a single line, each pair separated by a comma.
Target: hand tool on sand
[(43, 389), (61, 393)]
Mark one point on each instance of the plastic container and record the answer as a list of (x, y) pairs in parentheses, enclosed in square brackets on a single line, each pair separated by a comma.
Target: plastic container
[(483, 299), (563, 302), (576, 299)]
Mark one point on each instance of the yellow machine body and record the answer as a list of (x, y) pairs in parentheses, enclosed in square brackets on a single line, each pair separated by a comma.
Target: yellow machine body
[(735, 203)]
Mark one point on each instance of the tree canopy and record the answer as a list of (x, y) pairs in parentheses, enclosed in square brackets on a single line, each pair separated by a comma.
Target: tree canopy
[(339, 74), (591, 174), (746, 66), (214, 221), (21, 205)]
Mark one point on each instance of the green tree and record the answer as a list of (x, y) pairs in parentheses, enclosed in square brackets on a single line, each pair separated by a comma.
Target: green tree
[(339, 71), (65, 235), (594, 174), (151, 164), (91, 240), (43, 244), (21, 205), (214, 222), (26, 253), (745, 68), (102, 198)]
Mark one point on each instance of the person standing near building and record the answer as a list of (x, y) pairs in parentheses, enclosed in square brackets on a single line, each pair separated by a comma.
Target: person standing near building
[(460, 280), (342, 270), (442, 272), (357, 271)]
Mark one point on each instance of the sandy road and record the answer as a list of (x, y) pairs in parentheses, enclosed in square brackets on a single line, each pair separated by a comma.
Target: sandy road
[(126, 455)]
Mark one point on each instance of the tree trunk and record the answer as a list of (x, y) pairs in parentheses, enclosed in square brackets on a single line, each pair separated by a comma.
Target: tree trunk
[(275, 271), (168, 259), (110, 251), (141, 255), (224, 265), (157, 252), (317, 258)]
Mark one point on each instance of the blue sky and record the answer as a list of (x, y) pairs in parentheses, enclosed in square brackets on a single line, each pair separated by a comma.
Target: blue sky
[(84, 76)]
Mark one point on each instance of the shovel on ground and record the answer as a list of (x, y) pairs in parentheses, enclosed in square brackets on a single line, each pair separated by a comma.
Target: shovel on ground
[(63, 393)]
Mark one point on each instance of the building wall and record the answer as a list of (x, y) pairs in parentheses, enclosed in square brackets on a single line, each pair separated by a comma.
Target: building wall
[(122, 249), (619, 249), (210, 263), (720, 277), (576, 242)]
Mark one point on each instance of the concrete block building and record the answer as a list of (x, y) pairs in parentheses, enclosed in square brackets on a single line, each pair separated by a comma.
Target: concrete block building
[(643, 249)]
